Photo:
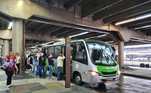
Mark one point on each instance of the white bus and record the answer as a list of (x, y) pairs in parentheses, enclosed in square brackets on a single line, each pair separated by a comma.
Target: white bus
[(92, 61)]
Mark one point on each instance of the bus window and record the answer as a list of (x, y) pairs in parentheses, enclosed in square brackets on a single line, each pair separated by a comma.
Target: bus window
[(51, 50), (73, 50), (101, 54), (79, 52), (58, 50)]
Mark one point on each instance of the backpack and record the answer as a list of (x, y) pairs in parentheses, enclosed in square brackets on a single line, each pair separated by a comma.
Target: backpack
[(10, 66)]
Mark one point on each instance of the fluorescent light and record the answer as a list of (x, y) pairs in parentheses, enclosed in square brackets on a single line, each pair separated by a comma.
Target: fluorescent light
[(10, 25), (147, 26), (46, 43), (133, 19), (102, 35), (138, 46), (61, 39), (78, 34)]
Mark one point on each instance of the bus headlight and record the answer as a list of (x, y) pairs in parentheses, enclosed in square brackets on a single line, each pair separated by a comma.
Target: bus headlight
[(93, 73)]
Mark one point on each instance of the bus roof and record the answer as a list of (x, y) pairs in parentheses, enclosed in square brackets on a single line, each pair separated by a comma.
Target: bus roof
[(84, 40)]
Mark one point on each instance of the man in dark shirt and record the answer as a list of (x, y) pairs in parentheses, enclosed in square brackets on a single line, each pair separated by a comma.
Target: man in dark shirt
[(50, 65), (42, 65)]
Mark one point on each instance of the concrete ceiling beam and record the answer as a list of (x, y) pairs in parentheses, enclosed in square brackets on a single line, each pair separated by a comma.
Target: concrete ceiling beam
[(128, 35), (24, 9), (39, 37)]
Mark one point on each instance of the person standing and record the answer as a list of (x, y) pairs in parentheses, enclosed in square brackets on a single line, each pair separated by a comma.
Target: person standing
[(28, 63), (50, 65), (35, 64), (9, 67), (41, 66), (18, 62), (60, 61)]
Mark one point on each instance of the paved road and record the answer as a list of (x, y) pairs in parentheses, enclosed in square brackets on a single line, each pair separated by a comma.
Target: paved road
[(129, 85)]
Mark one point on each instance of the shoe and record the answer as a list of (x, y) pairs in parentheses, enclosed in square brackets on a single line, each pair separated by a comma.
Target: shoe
[(8, 86)]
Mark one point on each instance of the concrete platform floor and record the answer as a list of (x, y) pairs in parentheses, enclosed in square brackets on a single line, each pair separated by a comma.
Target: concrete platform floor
[(43, 86), (24, 84)]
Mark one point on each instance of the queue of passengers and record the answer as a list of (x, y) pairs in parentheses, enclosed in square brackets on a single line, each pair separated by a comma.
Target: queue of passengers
[(39, 65), (43, 65)]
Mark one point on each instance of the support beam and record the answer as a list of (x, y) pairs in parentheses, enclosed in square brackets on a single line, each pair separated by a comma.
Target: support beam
[(18, 39), (68, 63), (25, 9), (39, 37), (90, 6), (17, 36), (121, 53), (129, 34), (143, 9), (124, 7), (6, 47), (71, 3)]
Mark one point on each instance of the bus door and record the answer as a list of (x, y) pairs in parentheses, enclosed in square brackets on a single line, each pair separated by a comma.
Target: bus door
[(79, 59)]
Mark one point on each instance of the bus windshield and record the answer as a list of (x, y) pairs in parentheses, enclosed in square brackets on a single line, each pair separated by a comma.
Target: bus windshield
[(101, 54)]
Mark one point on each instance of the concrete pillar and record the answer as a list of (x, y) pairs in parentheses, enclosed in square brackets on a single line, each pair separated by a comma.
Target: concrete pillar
[(121, 53), (17, 36), (6, 47), (68, 63), (18, 40), (1, 52)]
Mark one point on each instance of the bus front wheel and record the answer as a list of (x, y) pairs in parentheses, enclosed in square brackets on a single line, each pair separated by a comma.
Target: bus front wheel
[(77, 78)]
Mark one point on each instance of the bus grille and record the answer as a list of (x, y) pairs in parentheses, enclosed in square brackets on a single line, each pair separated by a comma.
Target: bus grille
[(109, 73)]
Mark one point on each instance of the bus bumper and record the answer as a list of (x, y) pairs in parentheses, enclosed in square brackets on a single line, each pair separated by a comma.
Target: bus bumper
[(100, 79)]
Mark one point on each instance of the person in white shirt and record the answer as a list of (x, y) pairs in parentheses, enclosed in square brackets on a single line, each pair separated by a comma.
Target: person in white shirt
[(60, 61), (18, 62)]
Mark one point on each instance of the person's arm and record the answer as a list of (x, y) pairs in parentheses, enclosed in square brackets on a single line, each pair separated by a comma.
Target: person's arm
[(63, 57), (16, 68)]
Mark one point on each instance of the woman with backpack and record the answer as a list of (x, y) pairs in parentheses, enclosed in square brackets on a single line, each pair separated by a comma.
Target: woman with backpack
[(9, 67)]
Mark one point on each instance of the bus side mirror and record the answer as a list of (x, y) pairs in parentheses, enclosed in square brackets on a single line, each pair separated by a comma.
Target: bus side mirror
[(116, 57)]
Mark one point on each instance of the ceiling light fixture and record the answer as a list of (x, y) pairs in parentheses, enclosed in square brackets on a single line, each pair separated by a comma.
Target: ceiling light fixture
[(133, 19), (138, 46), (78, 34), (10, 25), (147, 26)]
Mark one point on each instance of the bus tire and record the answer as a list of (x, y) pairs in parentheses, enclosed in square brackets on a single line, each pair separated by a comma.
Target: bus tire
[(77, 78), (142, 65), (147, 65)]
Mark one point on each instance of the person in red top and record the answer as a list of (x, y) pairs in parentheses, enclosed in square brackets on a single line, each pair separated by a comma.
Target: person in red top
[(10, 67), (12, 56)]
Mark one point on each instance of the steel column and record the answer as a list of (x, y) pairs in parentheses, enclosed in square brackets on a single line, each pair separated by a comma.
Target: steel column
[(68, 63), (121, 53)]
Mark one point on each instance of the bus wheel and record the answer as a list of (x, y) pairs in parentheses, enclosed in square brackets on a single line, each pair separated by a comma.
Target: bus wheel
[(77, 78), (93, 85)]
